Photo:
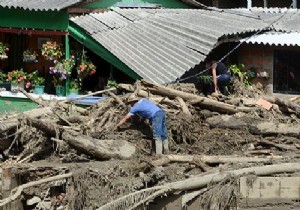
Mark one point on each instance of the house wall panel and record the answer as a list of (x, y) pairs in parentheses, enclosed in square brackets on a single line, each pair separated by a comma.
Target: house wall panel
[(261, 58)]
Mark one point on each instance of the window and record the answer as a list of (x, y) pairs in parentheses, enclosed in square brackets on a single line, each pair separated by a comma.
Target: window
[(274, 3), (286, 72)]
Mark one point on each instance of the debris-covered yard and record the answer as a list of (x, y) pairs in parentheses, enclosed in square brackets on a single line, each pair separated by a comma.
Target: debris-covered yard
[(66, 157)]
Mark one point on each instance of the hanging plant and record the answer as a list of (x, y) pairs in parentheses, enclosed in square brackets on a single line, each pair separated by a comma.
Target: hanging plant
[(85, 68), (29, 56), (51, 50), (61, 70), (3, 49)]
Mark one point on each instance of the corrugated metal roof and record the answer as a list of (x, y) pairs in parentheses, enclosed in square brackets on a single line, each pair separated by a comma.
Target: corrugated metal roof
[(38, 4), (284, 19), (160, 45), (275, 38)]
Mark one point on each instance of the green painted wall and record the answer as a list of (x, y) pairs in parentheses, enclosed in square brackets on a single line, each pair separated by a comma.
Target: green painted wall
[(18, 18), (9, 105), (112, 3)]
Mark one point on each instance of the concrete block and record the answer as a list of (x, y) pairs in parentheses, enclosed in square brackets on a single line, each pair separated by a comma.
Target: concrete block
[(270, 188)]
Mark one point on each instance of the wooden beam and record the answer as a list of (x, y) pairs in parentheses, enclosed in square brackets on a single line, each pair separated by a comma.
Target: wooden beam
[(32, 31)]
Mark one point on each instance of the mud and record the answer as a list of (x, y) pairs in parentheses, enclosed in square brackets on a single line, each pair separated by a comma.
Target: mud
[(96, 183)]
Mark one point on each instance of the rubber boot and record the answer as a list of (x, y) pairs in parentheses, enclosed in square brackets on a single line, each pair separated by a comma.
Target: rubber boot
[(158, 147), (165, 146)]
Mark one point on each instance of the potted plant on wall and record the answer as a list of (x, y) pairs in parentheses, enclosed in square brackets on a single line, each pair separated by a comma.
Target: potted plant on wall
[(39, 85), (60, 71), (29, 56), (17, 78), (74, 86), (3, 81), (51, 50), (3, 49)]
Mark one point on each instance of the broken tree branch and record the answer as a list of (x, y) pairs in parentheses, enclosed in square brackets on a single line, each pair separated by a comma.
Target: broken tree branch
[(212, 159), (184, 107), (20, 188), (284, 103), (192, 98), (197, 183), (279, 146), (117, 98)]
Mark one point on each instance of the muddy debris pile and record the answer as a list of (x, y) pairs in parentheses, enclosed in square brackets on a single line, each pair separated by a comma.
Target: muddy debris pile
[(68, 157)]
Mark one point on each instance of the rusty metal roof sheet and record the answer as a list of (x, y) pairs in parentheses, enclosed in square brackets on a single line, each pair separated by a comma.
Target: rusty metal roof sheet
[(38, 4), (161, 45)]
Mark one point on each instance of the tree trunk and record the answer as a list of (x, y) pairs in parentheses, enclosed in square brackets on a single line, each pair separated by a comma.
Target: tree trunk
[(9, 124), (212, 159), (284, 103), (269, 129), (192, 98), (100, 149), (44, 125), (200, 182), (184, 107)]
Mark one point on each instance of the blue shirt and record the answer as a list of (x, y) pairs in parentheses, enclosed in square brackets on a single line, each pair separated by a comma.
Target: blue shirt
[(145, 108)]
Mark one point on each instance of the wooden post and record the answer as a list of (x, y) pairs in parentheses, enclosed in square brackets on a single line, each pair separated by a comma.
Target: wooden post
[(67, 49)]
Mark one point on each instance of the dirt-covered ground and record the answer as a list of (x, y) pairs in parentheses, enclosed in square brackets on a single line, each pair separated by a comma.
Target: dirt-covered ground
[(37, 153)]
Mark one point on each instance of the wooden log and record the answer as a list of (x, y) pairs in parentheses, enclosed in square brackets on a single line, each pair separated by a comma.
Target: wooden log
[(117, 99), (78, 109), (212, 159), (259, 152), (284, 103), (270, 128), (131, 200), (39, 102), (226, 121), (200, 182), (44, 125), (163, 100), (20, 188), (279, 146), (191, 98), (100, 149), (130, 88), (60, 103), (184, 107), (9, 124), (145, 94)]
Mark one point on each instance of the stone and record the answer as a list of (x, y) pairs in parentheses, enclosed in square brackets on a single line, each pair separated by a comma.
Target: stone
[(270, 188), (45, 205)]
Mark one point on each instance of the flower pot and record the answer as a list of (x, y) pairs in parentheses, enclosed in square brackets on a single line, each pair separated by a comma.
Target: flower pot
[(6, 86), (29, 58), (73, 90), (39, 90), (3, 57), (60, 90), (15, 86)]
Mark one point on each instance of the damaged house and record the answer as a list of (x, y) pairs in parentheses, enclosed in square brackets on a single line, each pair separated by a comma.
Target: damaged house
[(165, 45)]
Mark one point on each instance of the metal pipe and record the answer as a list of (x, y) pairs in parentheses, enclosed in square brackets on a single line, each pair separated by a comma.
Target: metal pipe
[(249, 4)]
